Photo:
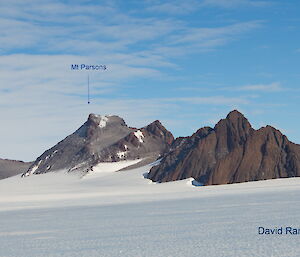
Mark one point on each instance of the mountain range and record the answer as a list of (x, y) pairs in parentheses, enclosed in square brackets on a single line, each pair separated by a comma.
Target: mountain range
[(230, 152)]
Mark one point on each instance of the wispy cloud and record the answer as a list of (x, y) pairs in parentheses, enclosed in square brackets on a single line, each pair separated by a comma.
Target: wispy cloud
[(174, 7), (256, 88), (52, 35), (210, 100), (235, 3), (210, 38), (83, 29), (40, 39), (273, 87), (185, 7)]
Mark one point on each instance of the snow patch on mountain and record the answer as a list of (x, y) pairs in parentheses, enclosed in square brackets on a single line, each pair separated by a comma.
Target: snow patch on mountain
[(33, 169), (122, 154), (103, 121), (139, 135)]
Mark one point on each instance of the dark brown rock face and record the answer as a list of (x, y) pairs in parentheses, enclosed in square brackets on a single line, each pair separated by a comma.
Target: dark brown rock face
[(231, 152)]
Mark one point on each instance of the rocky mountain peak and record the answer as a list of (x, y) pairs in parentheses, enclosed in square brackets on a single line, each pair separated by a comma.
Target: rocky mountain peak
[(234, 115), (234, 130), (235, 120), (231, 152), (104, 138), (157, 129), (102, 121)]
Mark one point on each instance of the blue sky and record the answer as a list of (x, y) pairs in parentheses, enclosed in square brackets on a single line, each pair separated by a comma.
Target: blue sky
[(186, 63)]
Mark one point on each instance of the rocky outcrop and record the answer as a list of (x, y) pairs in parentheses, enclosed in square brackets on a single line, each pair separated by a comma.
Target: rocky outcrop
[(9, 168), (231, 152), (103, 139), (151, 140)]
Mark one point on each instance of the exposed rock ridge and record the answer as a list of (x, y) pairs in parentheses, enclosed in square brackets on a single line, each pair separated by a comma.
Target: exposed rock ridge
[(231, 152)]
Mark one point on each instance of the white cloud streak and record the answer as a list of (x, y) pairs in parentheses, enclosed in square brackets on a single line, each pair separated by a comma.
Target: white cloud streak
[(181, 7), (235, 3), (174, 7), (273, 87)]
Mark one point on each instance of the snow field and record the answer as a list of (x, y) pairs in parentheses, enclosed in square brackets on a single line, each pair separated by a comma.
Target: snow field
[(111, 213)]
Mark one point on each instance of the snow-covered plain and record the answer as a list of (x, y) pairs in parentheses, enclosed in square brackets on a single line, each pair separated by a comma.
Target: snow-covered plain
[(109, 213)]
